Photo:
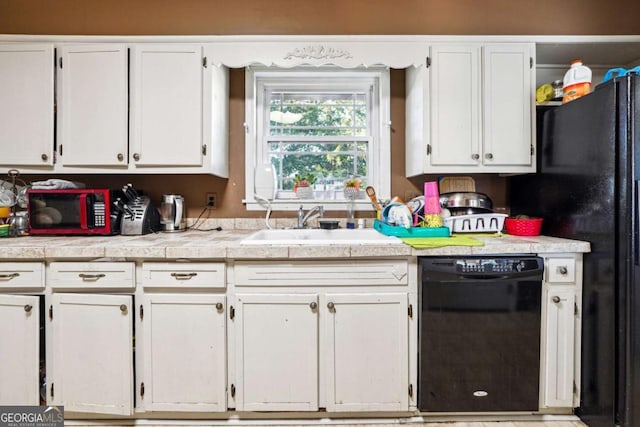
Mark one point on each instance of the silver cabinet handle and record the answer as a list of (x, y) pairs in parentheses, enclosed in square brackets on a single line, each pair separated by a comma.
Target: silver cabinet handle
[(183, 276), (44, 157), (219, 306), (90, 277), (556, 299), (136, 156), (563, 270), (120, 157), (7, 277), (488, 156), (331, 306), (475, 156), (28, 308), (123, 308), (313, 305)]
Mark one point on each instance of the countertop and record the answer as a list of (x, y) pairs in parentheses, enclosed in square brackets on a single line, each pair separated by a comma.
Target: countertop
[(200, 245)]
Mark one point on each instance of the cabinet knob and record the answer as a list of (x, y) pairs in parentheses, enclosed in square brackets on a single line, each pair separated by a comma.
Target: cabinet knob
[(488, 156), (219, 306), (313, 305), (123, 308), (28, 308), (44, 157), (556, 299), (563, 270), (475, 156), (120, 157), (331, 306), (136, 156)]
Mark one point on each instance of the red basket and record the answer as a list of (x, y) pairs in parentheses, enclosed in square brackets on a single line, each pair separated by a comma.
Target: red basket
[(523, 227)]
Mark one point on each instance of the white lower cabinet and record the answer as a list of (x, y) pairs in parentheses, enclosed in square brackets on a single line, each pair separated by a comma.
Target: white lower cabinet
[(276, 354), (316, 335), (561, 313), (20, 350), (366, 352), (184, 353), (559, 353), (92, 369)]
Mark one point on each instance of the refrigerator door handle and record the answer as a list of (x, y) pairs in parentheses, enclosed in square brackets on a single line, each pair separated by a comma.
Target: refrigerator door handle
[(636, 223)]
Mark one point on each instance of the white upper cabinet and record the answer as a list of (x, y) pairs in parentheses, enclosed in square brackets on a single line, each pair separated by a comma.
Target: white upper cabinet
[(470, 109), (509, 109), (93, 105), (26, 105), (166, 105), (455, 105)]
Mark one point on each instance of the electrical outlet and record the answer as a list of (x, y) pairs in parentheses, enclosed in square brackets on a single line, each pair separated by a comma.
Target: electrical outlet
[(211, 200)]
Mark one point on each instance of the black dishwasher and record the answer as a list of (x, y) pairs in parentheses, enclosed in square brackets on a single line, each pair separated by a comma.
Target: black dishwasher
[(479, 331)]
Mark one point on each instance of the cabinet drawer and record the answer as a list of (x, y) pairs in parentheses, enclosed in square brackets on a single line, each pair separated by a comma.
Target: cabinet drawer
[(93, 275), (561, 270), (322, 273), (21, 275), (183, 275)]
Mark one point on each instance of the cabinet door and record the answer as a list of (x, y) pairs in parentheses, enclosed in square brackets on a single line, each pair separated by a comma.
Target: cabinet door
[(455, 105), (417, 133), (558, 368), (508, 104), (166, 102), (26, 104), (93, 105), (276, 355), (366, 355), (184, 353), (92, 339), (19, 352)]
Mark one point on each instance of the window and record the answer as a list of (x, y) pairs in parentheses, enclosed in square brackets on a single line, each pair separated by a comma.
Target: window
[(317, 128)]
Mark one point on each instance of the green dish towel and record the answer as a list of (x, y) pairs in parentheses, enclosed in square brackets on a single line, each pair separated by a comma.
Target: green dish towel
[(439, 242)]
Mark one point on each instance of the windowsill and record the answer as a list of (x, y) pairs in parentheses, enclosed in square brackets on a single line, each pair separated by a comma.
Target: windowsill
[(294, 205)]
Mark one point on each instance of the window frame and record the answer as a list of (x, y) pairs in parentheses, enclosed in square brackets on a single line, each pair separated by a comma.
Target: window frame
[(379, 162)]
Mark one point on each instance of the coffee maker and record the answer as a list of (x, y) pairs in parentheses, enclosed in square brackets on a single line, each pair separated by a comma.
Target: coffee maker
[(172, 213)]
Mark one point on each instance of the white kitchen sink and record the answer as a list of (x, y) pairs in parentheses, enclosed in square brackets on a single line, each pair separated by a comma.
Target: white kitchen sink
[(305, 236)]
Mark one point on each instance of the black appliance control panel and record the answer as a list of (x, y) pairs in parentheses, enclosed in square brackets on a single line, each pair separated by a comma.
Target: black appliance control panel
[(483, 265)]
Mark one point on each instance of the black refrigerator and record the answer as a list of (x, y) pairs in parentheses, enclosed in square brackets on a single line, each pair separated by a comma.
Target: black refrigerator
[(587, 188)]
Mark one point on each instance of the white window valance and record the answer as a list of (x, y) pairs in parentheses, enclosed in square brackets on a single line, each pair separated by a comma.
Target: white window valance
[(344, 54)]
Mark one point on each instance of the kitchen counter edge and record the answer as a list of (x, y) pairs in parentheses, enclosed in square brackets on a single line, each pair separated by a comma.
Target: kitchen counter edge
[(196, 245)]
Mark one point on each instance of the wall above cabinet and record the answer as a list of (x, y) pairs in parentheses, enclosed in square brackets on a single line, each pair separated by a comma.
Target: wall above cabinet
[(592, 53)]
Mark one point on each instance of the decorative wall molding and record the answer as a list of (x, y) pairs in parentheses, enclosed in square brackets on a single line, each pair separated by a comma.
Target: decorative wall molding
[(315, 52)]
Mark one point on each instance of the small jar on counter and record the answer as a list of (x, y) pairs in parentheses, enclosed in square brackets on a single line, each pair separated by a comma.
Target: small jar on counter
[(558, 92)]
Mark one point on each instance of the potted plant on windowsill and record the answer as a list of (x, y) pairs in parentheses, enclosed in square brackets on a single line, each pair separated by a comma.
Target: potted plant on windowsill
[(302, 186), (352, 188)]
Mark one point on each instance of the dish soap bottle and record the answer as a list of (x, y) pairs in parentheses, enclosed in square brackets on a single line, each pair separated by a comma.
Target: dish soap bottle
[(577, 81)]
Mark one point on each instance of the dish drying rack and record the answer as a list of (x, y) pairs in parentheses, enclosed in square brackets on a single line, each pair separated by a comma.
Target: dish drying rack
[(12, 186), (476, 223)]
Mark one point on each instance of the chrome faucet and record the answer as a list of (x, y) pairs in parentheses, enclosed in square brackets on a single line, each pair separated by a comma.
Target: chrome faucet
[(303, 218)]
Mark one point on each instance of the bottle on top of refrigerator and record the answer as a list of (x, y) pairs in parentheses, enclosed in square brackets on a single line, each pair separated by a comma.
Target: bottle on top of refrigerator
[(577, 81)]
